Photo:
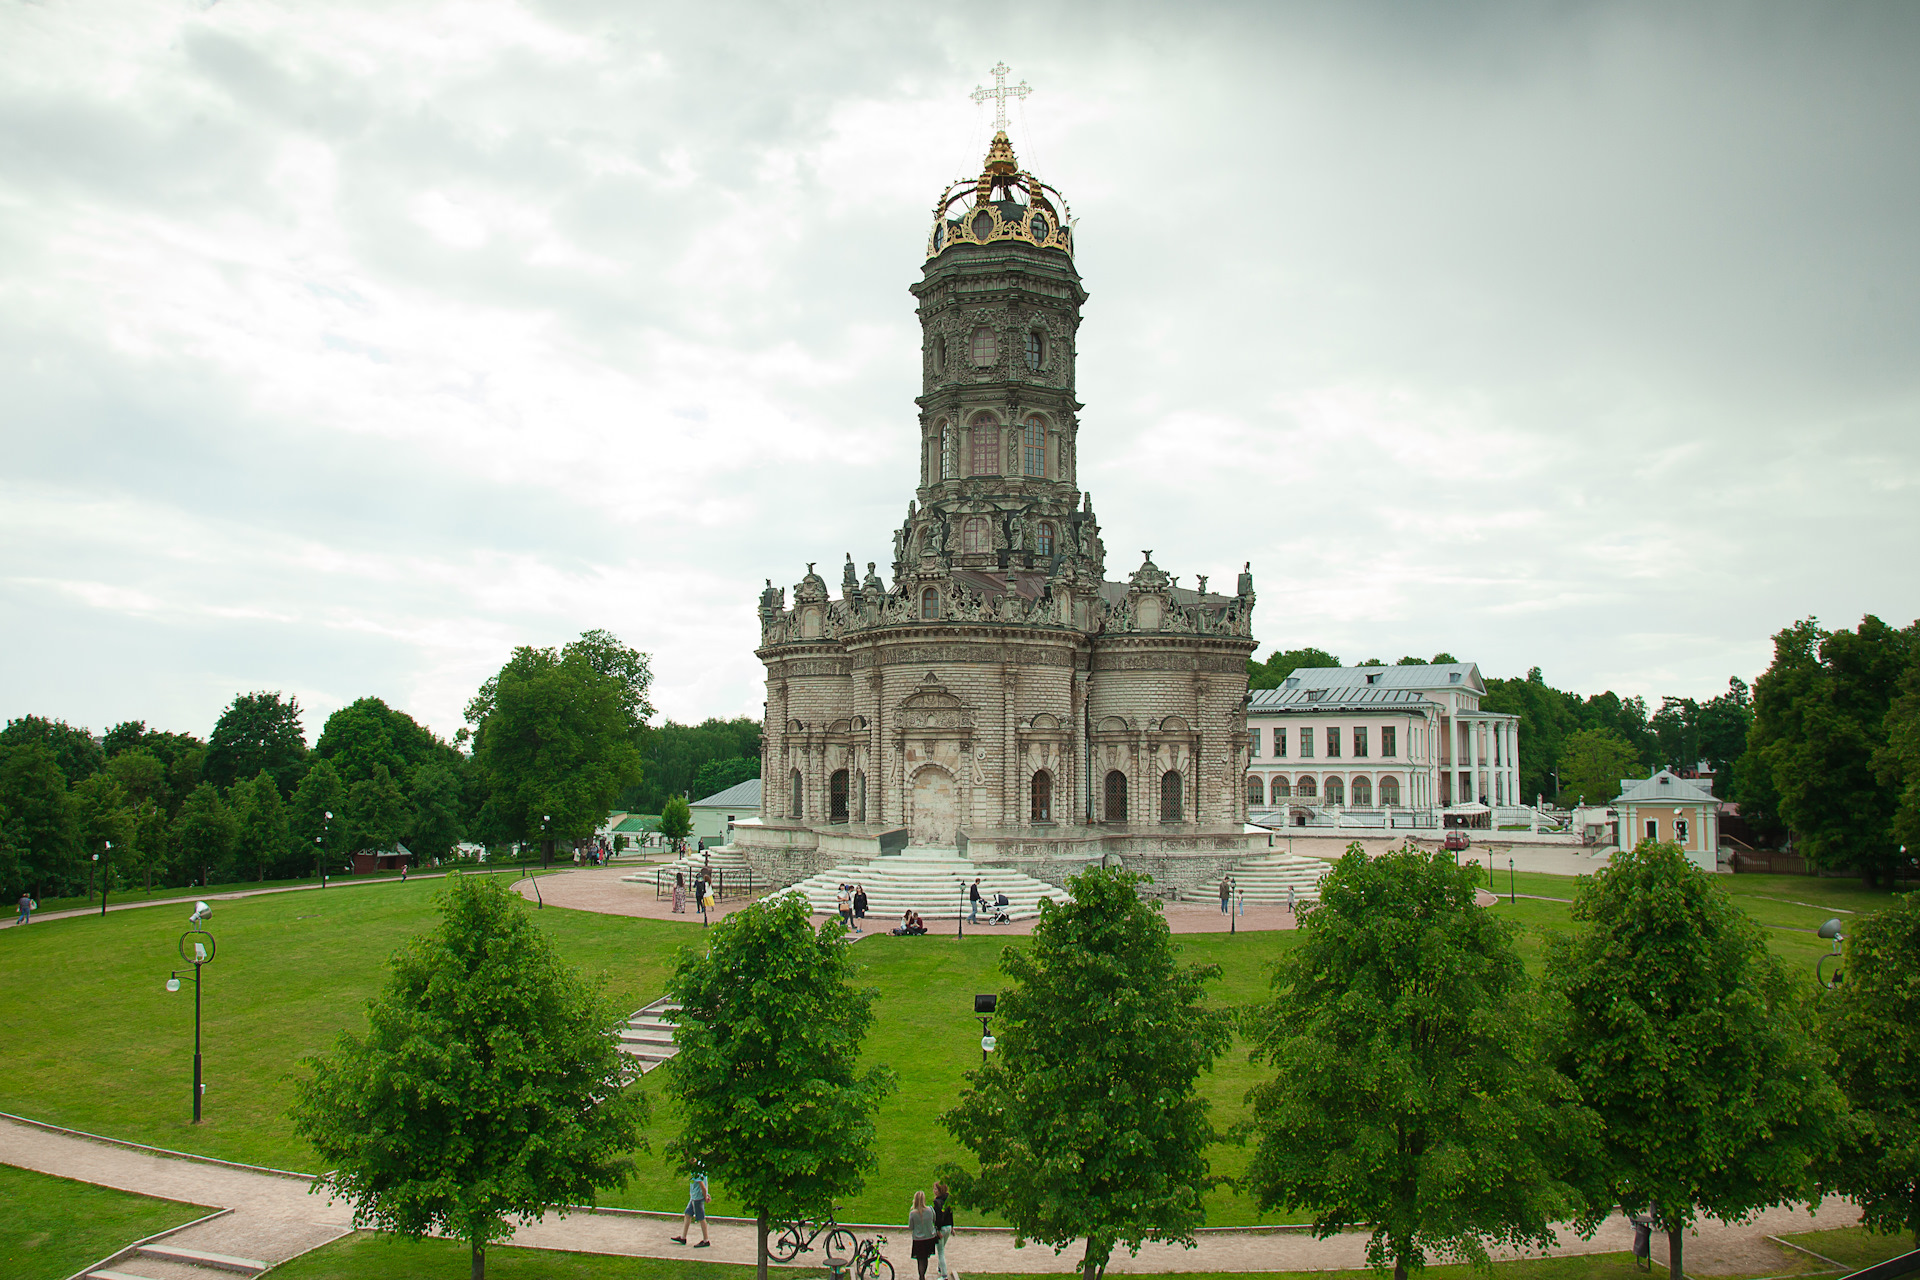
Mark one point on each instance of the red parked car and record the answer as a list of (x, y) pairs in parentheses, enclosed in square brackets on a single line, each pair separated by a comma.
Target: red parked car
[(1456, 839)]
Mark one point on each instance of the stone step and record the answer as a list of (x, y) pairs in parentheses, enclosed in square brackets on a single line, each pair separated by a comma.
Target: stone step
[(163, 1252), (156, 1269), (1272, 877), (934, 884)]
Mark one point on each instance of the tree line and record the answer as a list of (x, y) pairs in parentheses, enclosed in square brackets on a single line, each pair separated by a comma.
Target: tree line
[(552, 740)]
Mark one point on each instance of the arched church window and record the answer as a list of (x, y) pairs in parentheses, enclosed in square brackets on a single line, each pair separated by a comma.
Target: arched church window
[(1116, 806), (793, 809), (930, 604), (1256, 790), (946, 451), (1042, 796), (1033, 451), (973, 534), (985, 349), (1170, 796), (986, 446), (837, 796), (1036, 349), (1045, 538)]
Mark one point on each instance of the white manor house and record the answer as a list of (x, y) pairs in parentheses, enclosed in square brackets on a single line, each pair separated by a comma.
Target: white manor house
[(1380, 746)]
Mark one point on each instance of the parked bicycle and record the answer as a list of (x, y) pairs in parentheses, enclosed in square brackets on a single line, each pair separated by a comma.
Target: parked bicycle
[(868, 1263), (797, 1238)]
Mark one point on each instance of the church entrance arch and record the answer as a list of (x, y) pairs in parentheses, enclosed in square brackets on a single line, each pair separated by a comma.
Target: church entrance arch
[(1115, 809), (935, 815), (1043, 796)]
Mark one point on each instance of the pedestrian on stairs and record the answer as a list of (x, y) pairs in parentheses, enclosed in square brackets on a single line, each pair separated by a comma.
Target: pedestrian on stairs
[(859, 902), (973, 901), (1226, 893), (679, 891)]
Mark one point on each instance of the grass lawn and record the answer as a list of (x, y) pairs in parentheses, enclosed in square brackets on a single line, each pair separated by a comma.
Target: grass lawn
[(134, 893), (105, 1048), (1852, 1247), (365, 1255), (52, 1227)]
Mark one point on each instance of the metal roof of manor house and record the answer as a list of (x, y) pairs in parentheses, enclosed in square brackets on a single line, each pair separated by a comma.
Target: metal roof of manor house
[(1360, 699)]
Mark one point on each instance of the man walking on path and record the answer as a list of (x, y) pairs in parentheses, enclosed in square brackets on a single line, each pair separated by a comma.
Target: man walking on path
[(26, 909), (696, 1210), (973, 901), (1226, 893)]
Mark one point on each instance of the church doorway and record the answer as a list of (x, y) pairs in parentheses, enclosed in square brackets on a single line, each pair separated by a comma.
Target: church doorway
[(1116, 807), (1170, 796), (1043, 796), (936, 808), (837, 796)]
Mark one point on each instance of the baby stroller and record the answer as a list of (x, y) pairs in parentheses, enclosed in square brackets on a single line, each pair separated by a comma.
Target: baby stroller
[(998, 913)]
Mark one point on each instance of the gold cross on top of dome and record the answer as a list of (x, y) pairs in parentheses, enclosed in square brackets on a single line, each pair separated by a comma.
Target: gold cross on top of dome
[(1000, 93)]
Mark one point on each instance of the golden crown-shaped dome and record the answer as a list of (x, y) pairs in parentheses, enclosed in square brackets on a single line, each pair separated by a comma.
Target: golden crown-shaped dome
[(1004, 203)]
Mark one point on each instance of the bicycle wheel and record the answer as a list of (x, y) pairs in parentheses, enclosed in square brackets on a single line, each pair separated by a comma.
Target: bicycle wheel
[(841, 1243), (788, 1246), (875, 1268)]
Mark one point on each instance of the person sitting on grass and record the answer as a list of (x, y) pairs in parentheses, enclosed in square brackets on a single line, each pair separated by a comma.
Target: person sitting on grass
[(696, 1209)]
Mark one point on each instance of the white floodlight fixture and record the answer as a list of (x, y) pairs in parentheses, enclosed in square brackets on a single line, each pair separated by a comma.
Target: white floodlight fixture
[(173, 984), (1830, 931), (201, 913)]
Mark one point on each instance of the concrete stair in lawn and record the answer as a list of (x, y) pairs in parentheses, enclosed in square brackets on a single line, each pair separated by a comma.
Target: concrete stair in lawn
[(648, 1034), (163, 1261), (728, 866), (931, 881), (1268, 877)]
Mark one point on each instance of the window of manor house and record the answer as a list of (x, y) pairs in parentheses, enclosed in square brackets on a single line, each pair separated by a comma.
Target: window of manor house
[(1360, 741), (1389, 742), (1333, 744)]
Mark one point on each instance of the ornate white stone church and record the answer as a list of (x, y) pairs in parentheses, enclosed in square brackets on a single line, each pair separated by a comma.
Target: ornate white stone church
[(997, 694)]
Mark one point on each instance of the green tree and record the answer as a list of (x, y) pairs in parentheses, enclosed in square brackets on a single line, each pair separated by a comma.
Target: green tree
[(678, 755), (437, 823), (1872, 1025), (150, 843), (205, 835), (74, 750), (257, 731), (716, 776), (265, 826), (1820, 723), (319, 793), (102, 825), (767, 1080), (490, 1083), (1897, 764), (1283, 662), (1411, 1092), (1086, 1122), (367, 732), (1687, 1039), (180, 755), (377, 813), (1548, 716), (555, 733), (33, 792), (141, 775), (1592, 763), (676, 818)]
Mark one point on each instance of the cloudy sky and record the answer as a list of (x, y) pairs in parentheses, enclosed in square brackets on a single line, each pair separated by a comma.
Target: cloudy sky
[(344, 348)]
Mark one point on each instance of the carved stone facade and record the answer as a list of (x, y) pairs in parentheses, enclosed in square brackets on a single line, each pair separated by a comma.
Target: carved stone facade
[(1000, 693)]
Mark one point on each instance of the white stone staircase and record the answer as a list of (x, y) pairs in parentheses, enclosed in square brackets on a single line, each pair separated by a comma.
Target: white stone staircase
[(931, 881), (648, 1034), (1268, 877), (725, 861)]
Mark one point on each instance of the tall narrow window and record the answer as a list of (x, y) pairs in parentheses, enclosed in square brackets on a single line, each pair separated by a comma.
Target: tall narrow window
[(1280, 744), (1042, 796), (837, 796), (1045, 538), (1389, 741), (1033, 452), (1256, 790), (1336, 791), (860, 797), (1036, 350), (793, 809), (1253, 743), (1389, 791), (1360, 741), (986, 446), (930, 604), (940, 353), (946, 451), (1306, 744), (1170, 796), (1362, 793), (973, 535), (1116, 807), (985, 349), (1333, 744)]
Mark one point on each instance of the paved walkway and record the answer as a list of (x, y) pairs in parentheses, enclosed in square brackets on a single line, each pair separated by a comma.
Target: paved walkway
[(275, 1218)]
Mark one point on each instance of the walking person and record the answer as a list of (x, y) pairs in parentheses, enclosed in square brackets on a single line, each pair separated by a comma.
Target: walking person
[(1226, 893), (925, 1235), (706, 899), (696, 1209), (1289, 899), (859, 902), (973, 901), (679, 891), (942, 1225), (844, 905), (26, 909)]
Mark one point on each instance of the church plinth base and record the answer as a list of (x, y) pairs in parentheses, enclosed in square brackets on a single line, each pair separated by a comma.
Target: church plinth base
[(781, 852), (1181, 858)]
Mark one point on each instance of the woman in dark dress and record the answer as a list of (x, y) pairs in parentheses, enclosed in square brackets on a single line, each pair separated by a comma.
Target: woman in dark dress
[(920, 1223)]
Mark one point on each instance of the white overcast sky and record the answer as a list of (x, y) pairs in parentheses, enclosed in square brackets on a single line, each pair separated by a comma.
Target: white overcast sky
[(343, 348)]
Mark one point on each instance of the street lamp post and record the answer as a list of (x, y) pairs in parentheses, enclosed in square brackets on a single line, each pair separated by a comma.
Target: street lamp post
[(982, 1007), (106, 869), (1830, 931), (200, 957), (320, 847), (546, 841), (1513, 886)]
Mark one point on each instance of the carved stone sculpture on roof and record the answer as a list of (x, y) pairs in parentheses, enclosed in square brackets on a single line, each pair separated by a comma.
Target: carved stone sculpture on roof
[(849, 578), (872, 586), (813, 587)]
